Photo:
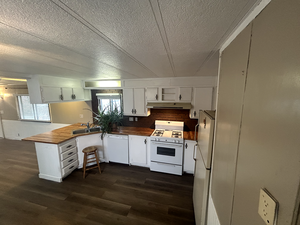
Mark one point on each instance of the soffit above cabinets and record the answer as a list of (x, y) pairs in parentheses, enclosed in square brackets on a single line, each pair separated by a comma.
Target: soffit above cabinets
[(112, 39)]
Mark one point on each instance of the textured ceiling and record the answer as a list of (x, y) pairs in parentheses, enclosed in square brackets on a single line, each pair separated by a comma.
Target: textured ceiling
[(112, 39)]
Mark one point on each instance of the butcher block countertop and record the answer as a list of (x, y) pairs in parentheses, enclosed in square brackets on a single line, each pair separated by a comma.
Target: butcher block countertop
[(60, 135)]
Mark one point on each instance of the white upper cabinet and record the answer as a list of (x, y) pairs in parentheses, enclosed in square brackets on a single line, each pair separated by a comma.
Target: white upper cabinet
[(202, 100), (44, 89), (152, 94), (185, 94), (49, 94), (134, 103), (67, 94)]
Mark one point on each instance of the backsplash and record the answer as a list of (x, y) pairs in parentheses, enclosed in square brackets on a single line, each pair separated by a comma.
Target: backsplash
[(156, 114), (163, 114)]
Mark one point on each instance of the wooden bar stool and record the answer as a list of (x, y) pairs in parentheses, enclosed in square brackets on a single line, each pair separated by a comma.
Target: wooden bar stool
[(92, 150)]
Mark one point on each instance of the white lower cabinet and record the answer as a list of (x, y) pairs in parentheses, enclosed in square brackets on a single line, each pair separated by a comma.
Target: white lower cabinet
[(91, 140), (56, 161), (189, 162), (138, 150)]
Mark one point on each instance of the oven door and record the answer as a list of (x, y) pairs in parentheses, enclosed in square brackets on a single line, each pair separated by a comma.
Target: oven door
[(166, 152)]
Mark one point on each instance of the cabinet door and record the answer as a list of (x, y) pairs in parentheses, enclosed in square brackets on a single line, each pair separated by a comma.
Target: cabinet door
[(67, 94), (78, 94), (139, 102), (185, 94), (152, 94), (128, 101), (202, 101), (51, 94), (189, 162), (138, 150)]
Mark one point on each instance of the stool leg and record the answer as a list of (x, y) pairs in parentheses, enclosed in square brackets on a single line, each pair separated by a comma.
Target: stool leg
[(84, 164), (96, 155)]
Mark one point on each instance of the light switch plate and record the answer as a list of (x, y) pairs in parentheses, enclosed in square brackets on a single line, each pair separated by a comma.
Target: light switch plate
[(268, 207)]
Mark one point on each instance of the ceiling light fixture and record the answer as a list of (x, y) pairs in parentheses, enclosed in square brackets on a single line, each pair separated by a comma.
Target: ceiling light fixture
[(14, 79)]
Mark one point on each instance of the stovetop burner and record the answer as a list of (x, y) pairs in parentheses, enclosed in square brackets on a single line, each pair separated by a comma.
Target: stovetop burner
[(158, 133)]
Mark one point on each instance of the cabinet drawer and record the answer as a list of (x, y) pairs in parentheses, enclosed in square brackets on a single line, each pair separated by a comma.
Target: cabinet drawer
[(68, 153), (69, 168), (67, 146), (69, 160)]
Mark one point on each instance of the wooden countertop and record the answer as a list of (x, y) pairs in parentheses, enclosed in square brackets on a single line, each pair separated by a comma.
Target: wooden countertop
[(60, 135)]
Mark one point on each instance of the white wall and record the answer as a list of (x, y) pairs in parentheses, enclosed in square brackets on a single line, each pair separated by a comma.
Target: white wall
[(17, 130)]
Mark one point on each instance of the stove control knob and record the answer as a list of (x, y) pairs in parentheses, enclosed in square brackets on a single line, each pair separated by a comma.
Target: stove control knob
[(174, 141), (177, 141), (166, 140)]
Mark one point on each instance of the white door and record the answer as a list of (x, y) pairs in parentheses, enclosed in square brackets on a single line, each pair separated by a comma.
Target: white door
[(200, 190), (189, 162), (67, 94), (185, 94), (202, 101), (138, 150), (139, 102), (51, 94), (128, 101), (205, 137), (78, 94), (152, 94)]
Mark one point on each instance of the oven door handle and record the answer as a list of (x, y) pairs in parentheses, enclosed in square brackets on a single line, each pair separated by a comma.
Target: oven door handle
[(164, 143)]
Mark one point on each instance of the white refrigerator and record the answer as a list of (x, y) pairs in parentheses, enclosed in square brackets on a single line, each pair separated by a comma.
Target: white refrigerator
[(203, 158)]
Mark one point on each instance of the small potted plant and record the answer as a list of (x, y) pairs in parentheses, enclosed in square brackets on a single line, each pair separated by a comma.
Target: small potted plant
[(108, 120)]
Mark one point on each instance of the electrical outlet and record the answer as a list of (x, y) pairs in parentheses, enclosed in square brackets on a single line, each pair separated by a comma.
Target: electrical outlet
[(136, 119), (130, 118), (81, 116), (268, 207)]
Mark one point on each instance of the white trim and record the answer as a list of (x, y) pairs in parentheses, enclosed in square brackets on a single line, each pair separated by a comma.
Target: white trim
[(256, 9)]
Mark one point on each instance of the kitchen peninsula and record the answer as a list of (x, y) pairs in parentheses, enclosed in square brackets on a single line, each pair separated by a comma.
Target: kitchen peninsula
[(59, 152)]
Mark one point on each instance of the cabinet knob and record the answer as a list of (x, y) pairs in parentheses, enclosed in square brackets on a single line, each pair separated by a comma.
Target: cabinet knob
[(195, 113), (180, 97), (186, 145), (156, 96), (61, 97), (145, 141), (132, 111)]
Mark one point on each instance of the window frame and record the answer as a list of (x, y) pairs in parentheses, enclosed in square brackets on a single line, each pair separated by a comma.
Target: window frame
[(20, 111), (110, 97)]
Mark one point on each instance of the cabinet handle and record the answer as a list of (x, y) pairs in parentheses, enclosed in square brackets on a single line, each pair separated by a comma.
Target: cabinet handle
[(194, 152), (70, 160), (71, 167), (180, 97), (145, 141), (186, 145), (61, 97), (69, 146), (195, 113), (156, 96), (132, 111), (70, 153)]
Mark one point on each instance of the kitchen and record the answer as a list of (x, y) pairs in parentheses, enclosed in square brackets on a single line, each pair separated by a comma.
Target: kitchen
[(244, 162)]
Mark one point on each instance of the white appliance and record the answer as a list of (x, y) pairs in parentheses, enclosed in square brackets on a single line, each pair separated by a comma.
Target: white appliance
[(166, 147), (117, 148), (203, 158)]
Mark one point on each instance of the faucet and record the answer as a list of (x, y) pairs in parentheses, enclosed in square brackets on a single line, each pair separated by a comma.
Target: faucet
[(87, 125)]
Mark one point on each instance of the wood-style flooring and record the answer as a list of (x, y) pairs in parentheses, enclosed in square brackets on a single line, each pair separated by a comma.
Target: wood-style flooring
[(120, 195)]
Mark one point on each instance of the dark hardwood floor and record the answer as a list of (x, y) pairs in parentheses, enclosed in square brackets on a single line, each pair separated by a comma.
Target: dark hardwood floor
[(120, 195)]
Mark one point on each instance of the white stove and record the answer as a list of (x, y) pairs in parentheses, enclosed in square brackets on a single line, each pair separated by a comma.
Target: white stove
[(166, 148)]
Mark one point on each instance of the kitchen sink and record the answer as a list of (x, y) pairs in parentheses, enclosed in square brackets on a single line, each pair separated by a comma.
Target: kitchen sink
[(83, 131)]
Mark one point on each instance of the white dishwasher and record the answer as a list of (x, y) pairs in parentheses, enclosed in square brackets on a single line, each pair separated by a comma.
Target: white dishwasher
[(117, 148)]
